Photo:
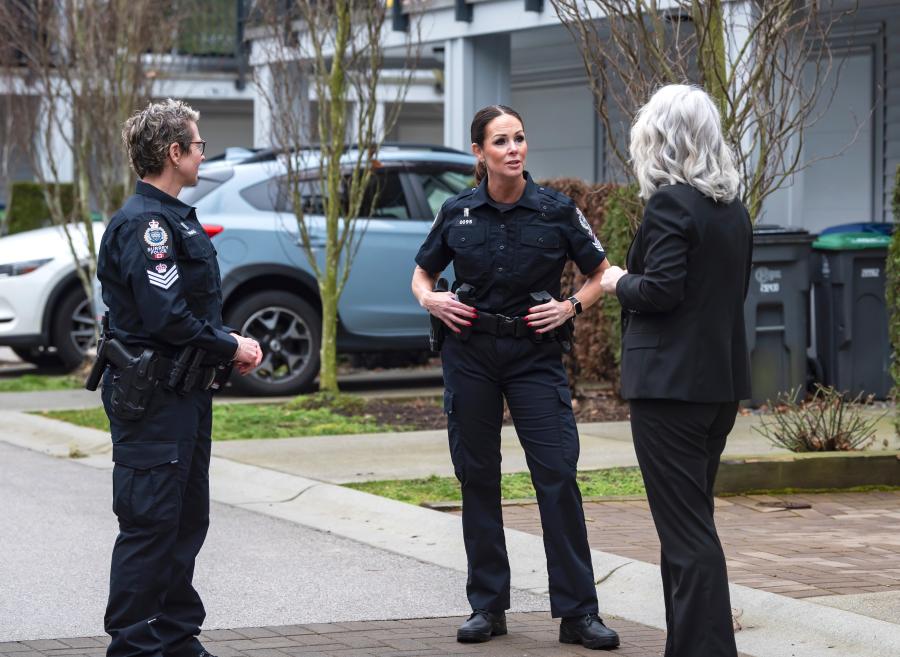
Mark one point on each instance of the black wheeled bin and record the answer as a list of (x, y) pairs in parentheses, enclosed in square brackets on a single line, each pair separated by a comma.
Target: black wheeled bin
[(776, 311), (851, 315)]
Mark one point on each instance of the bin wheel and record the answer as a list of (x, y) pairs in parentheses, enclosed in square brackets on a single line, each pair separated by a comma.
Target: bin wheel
[(814, 374)]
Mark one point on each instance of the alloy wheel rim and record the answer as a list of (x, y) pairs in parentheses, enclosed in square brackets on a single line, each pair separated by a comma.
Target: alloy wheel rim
[(286, 341), (84, 332)]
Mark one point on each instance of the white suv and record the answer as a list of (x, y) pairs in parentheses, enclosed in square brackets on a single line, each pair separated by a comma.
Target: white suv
[(44, 313)]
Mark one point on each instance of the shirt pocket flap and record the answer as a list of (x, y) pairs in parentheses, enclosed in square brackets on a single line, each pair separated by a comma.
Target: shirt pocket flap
[(641, 340), (197, 248), (145, 455), (467, 236), (540, 237)]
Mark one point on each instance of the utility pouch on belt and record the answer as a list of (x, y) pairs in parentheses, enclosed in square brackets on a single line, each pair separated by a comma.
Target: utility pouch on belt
[(134, 381), (465, 293), (436, 332), (565, 333)]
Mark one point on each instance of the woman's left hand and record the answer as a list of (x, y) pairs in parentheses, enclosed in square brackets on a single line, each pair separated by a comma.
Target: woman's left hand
[(548, 316)]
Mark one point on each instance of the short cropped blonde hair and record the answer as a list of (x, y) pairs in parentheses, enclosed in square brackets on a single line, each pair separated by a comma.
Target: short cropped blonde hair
[(149, 132), (677, 138)]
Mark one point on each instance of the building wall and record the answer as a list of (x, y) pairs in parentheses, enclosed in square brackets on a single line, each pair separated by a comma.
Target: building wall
[(892, 107), (224, 123)]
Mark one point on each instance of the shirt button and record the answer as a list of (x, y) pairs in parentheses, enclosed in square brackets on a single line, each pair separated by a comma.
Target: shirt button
[(540, 240), (462, 239), (500, 269), (502, 225), (502, 247)]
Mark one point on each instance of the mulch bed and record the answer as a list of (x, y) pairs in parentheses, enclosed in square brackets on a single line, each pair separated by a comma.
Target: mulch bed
[(422, 414)]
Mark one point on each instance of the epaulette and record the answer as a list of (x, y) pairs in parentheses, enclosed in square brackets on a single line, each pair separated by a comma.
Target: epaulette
[(559, 197), (460, 196)]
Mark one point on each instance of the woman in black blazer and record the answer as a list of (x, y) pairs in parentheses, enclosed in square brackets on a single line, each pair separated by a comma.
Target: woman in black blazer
[(684, 352)]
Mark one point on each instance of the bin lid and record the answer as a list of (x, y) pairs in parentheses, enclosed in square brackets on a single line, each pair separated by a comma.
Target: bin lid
[(774, 234), (851, 241), (883, 228)]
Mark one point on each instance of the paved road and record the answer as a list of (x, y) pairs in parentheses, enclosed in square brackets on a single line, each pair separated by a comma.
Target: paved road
[(56, 533)]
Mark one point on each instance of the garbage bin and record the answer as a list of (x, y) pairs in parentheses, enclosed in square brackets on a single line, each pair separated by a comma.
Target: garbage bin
[(870, 227), (776, 311), (850, 312)]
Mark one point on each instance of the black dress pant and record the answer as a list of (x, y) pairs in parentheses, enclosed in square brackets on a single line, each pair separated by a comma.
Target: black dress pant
[(161, 499), (678, 445), (478, 374)]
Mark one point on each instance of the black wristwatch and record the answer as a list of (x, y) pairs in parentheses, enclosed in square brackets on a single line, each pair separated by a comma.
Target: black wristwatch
[(576, 304)]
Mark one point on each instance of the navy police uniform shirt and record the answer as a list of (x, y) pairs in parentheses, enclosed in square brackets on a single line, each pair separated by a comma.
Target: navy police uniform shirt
[(507, 251), (160, 277)]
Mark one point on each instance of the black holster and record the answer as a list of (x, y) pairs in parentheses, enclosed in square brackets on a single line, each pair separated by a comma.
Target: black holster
[(133, 381)]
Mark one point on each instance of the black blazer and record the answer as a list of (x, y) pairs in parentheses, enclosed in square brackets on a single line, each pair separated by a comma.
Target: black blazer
[(683, 300)]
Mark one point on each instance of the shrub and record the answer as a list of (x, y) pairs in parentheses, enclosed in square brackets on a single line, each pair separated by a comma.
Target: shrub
[(828, 422), (27, 208), (613, 213), (893, 300)]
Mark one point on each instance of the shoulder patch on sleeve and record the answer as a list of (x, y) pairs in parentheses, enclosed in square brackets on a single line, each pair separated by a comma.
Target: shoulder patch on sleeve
[(155, 239), (587, 228)]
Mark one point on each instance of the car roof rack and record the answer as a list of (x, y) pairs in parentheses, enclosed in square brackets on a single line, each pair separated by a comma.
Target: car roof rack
[(268, 154)]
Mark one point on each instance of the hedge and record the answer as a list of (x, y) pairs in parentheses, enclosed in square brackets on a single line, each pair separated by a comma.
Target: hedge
[(27, 209), (893, 299), (613, 212)]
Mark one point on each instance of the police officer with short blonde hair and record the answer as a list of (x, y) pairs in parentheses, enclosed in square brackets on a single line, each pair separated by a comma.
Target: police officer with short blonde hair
[(164, 351)]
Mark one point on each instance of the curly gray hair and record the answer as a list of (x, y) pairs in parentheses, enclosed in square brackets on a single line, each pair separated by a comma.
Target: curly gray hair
[(677, 138), (149, 132)]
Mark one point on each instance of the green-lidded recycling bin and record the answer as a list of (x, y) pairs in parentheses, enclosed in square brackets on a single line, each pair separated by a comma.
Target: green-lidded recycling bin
[(776, 311), (850, 312)]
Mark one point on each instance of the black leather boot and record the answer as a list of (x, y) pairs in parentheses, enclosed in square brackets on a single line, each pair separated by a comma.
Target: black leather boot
[(481, 626), (589, 631)]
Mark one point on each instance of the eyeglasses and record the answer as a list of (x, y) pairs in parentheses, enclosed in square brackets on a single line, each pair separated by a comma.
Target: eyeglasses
[(202, 146)]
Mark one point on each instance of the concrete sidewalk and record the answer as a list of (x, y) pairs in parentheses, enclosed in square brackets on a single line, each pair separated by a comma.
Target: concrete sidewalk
[(775, 625)]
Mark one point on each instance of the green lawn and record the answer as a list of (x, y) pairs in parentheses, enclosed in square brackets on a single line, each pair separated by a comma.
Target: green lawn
[(40, 382), (612, 481), (244, 421)]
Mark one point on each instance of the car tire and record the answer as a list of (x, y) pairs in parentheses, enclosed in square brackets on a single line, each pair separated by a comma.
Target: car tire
[(71, 335), (73, 329), (38, 356), (289, 331)]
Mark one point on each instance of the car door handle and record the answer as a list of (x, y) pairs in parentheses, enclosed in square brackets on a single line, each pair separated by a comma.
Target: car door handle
[(314, 242)]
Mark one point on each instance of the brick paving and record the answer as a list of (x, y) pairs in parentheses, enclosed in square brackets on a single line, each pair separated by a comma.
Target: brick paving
[(530, 634), (844, 543)]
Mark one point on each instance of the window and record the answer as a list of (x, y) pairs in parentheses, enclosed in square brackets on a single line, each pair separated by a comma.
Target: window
[(207, 182), (274, 195), (386, 191), (441, 185)]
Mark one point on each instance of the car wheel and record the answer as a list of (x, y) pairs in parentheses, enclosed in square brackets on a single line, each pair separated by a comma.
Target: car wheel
[(73, 329), (289, 331)]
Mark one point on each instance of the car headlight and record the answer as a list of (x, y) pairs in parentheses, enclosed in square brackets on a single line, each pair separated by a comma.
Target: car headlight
[(24, 267)]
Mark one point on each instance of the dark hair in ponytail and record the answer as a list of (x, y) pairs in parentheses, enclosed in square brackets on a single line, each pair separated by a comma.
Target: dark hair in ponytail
[(482, 117)]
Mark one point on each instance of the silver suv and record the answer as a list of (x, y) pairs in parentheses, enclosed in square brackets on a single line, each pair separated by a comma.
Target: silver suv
[(269, 290)]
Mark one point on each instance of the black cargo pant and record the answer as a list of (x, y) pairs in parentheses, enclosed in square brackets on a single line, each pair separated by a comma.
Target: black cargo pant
[(478, 374), (161, 499), (678, 445)]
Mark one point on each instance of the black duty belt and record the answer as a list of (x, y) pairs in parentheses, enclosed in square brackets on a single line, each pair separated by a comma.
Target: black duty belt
[(163, 367), (508, 327)]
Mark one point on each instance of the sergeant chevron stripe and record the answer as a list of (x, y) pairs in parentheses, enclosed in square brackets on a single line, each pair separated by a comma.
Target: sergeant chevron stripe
[(165, 281)]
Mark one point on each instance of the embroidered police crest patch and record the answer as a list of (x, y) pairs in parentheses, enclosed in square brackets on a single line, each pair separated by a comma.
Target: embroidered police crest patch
[(587, 228), (156, 241)]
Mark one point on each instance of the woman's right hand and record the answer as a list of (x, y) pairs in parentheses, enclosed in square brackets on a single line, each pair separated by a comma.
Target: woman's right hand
[(446, 307)]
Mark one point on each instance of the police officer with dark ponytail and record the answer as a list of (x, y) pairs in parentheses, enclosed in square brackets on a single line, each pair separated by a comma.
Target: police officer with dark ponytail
[(508, 240)]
